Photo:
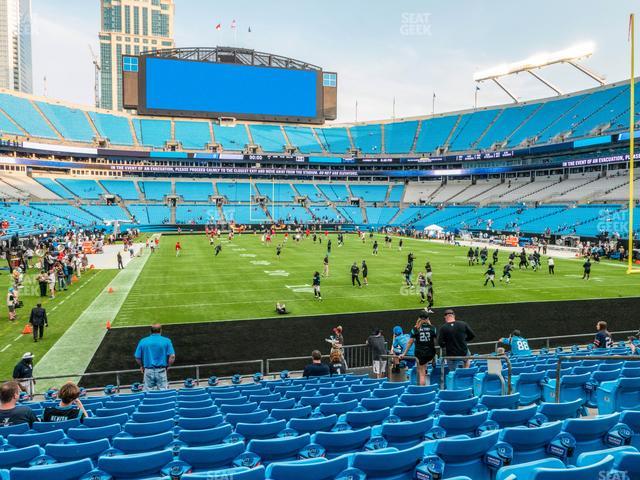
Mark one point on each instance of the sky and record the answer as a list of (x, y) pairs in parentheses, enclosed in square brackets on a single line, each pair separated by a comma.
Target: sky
[(382, 50)]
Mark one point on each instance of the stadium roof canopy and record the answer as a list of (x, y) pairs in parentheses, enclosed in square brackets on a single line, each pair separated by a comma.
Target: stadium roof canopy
[(242, 56)]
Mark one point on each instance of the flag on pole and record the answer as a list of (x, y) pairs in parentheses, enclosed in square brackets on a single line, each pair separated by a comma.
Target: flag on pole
[(218, 27), (233, 24)]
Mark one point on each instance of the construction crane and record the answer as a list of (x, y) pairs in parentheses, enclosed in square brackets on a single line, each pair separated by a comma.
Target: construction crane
[(96, 81)]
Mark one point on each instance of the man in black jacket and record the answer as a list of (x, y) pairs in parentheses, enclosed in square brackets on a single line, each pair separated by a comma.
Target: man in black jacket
[(453, 337), (38, 320), (23, 373)]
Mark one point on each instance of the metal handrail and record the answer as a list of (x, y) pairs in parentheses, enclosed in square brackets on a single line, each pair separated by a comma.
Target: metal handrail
[(197, 367), (477, 357), (119, 373), (586, 357)]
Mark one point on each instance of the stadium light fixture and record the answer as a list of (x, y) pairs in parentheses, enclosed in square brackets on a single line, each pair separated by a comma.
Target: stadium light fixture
[(569, 55)]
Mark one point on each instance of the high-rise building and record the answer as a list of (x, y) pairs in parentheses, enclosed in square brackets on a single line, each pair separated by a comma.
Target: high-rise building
[(15, 45), (129, 27)]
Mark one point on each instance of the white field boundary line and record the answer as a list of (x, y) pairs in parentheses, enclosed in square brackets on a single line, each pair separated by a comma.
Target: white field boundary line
[(74, 350)]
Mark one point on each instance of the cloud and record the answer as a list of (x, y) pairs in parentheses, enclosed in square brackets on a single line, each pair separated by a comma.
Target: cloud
[(61, 53)]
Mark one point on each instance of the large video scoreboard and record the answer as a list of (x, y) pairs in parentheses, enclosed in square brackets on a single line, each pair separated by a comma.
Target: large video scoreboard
[(174, 86)]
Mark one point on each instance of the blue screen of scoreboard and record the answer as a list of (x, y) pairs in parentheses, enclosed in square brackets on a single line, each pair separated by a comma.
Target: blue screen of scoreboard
[(232, 89)]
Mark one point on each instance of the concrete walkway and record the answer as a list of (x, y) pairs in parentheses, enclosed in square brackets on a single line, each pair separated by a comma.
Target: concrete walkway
[(73, 352)]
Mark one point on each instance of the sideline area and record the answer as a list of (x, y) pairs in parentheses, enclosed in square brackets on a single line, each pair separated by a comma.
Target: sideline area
[(72, 353)]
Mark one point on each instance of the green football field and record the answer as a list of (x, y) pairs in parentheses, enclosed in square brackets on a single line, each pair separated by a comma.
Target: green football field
[(246, 280)]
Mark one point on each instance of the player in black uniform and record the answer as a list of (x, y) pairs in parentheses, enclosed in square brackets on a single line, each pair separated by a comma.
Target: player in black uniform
[(355, 270), (218, 249), (410, 259), (427, 268), (587, 269), (422, 285), (495, 256), (407, 274), (506, 272), (476, 255), (365, 273), (328, 246), (400, 245), (470, 256), (278, 251), (490, 276), (375, 247), (423, 335), (316, 286), (523, 260), (325, 266), (429, 295), (484, 253)]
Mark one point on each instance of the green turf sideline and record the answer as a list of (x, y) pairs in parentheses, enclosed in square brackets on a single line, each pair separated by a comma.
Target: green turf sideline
[(72, 353)]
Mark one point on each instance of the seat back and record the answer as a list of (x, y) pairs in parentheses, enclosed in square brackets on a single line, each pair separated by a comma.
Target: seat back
[(77, 451), (57, 471), (135, 465), (210, 457), (278, 449)]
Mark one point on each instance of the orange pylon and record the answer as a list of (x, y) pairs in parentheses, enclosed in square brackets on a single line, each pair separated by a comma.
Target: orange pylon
[(28, 329), (110, 290), (108, 324)]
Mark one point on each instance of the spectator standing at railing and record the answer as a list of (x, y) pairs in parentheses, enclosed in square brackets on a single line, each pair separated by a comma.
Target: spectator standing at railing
[(423, 337), (453, 337), (155, 354), (378, 347), (603, 337)]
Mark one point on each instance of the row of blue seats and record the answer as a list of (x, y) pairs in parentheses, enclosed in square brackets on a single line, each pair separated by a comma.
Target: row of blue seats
[(479, 456)]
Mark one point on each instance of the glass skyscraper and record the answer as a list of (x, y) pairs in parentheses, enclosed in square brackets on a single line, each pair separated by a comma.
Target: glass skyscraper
[(15, 45), (129, 27)]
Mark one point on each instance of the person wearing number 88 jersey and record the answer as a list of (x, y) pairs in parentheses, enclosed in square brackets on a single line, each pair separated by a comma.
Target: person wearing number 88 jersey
[(519, 345)]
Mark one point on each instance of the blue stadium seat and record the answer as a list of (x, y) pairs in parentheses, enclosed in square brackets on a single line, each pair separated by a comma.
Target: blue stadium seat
[(261, 430), (278, 449), (389, 465), (572, 387), (201, 423), (628, 463), (346, 441), (631, 418), (561, 411), (530, 444), (137, 465), (316, 400), (542, 470), (527, 471), (462, 424), (406, 434), (289, 413), (457, 407), (500, 401), (590, 433), (316, 468), (20, 457), (461, 378), (110, 412), (529, 386), (86, 434), (313, 425), (417, 398), (211, 457), (150, 428), (19, 428), (461, 394), (237, 473), (209, 436), (143, 444), (155, 407), (41, 439), (280, 404), (247, 407), (589, 458), (466, 456), (368, 418), (56, 471), (337, 408), (513, 417), (77, 451), (148, 417), (197, 412), (48, 426), (618, 395), (414, 412), (374, 403)]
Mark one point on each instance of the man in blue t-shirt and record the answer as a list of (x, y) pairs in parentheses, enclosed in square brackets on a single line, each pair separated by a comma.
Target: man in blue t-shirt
[(155, 354), (400, 340), (519, 345), (603, 337)]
